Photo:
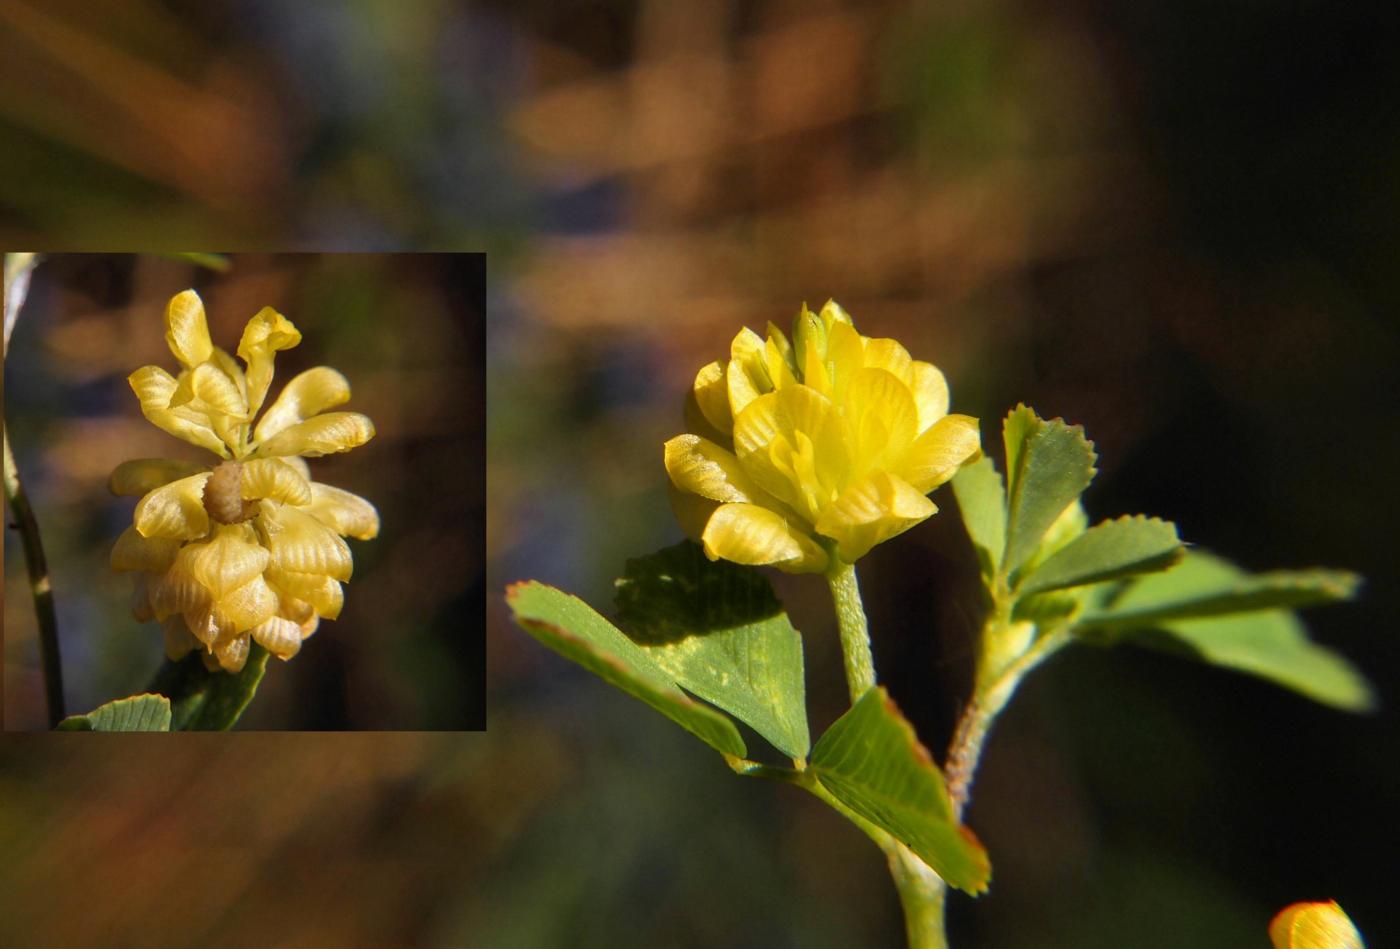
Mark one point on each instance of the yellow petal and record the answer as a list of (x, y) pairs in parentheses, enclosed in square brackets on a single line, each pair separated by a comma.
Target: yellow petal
[(873, 510), (749, 534), (889, 355), (712, 396), (845, 353), (208, 389), (778, 359), (299, 464), (1314, 926), (134, 552), (937, 454), (832, 313), (174, 510), (266, 334), (305, 545), (343, 512), (233, 654), (882, 417), (230, 559), (141, 475), (179, 641), (240, 610), (154, 387), (274, 479), (186, 329), (322, 435), (794, 444), (301, 613), (177, 591), (279, 636), (704, 468), (692, 512), (745, 374), (224, 361), (930, 393), (309, 393)]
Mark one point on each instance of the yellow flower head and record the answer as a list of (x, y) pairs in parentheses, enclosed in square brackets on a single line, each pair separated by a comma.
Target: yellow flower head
[(252, 548), (818, 447)]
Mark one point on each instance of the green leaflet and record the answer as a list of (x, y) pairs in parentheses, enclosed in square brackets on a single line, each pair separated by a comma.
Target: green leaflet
[(871, 761), (982, 501), (576, 631), (201, 700), (1049, 464), (1106, 551), (138, 713), (1226, 617), (1207, 585), (718, 630)]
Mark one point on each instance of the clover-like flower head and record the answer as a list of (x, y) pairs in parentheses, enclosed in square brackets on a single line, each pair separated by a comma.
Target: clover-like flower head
[(252, 548), (818, 447)]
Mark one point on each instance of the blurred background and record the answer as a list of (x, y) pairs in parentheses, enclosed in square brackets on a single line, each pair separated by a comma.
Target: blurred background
[(1173, 222), (406, 329)]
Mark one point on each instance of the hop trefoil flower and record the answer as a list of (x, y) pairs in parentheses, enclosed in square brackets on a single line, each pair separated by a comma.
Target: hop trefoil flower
[(807, 450), (249, 549)]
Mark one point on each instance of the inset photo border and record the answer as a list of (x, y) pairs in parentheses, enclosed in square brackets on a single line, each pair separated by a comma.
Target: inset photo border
[(258, 484)]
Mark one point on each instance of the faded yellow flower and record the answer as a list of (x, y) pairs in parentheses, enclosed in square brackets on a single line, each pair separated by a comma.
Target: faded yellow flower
[(816, 448), (1314, 926), (252, 548)]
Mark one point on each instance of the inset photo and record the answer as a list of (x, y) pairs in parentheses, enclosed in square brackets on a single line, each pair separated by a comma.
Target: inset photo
[(244, 491)]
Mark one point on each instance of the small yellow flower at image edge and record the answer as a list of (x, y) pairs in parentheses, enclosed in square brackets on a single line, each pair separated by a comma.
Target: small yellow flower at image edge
[(805, 453), (250, 548)]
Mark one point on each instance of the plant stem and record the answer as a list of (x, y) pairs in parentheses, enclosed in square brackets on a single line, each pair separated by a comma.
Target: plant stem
[(18, 267), (855, 634), (39, 585), (921, 891)]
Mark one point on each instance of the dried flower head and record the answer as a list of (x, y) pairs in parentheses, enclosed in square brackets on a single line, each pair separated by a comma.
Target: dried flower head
[(251, 549), (814, 448)]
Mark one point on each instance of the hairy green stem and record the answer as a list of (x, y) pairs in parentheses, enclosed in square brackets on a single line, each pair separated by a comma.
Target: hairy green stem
[(39, 584), (855, 634), (921, 891)]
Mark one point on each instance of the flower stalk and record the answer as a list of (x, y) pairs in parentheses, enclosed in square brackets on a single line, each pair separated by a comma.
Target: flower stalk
[(18, 267), (855, 634)]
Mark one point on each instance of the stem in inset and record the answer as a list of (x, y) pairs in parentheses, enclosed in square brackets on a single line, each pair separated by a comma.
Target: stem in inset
[(17, 270), (39, 585)]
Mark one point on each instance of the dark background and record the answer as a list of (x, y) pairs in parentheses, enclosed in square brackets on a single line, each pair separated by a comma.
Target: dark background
[(1171, 222)]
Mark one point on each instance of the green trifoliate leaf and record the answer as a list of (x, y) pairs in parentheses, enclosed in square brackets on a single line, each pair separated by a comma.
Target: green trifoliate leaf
[(982, 501), (1206, 585), (1049, 464), (1117, 548), (576, 631), (719, 631), (1215, 612), (872, 762), (139, 713)]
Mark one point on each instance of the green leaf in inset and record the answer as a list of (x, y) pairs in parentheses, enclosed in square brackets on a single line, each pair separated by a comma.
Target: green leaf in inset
[(982, 501), (138, 713), (719, 631), (201, 700), (1207, 585), (1049, 464), (1117, 548), (576, 631), (872, 762), (1211, 610)]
